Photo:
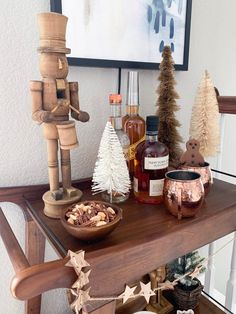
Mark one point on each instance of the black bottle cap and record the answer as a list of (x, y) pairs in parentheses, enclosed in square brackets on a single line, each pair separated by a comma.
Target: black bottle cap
[(152, 123)]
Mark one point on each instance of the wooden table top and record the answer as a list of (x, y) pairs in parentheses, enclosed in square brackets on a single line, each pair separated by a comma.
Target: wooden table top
[(147, 237)]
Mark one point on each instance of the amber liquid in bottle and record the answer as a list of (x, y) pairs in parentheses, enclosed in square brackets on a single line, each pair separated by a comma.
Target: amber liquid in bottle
[(133, 124), (151, 162)]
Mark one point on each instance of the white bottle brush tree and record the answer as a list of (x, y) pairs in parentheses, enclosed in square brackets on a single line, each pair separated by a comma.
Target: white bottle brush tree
[(111, 172), (204, 125)]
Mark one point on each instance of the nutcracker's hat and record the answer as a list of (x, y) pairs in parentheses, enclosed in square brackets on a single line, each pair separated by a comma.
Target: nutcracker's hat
[(52, 30)]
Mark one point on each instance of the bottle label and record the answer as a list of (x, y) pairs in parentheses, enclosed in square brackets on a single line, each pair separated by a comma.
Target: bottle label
[(135, 184), (155, 163), (132, 148), (156, 187)]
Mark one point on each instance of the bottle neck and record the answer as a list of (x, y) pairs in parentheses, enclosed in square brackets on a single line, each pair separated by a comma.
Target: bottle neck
[(133, 88), (132, 110), (116, 122), (115, 110), (115, 116), (151, 136)]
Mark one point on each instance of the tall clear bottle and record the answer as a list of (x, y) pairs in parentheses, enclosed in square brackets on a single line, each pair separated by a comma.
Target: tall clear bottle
[(115, 101), (151, 163), (133, 124)]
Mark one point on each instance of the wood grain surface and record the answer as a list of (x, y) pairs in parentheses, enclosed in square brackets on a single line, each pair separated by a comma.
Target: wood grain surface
[(147, 237)]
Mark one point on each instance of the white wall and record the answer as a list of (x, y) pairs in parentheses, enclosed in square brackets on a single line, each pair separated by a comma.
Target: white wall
[(23, 153)]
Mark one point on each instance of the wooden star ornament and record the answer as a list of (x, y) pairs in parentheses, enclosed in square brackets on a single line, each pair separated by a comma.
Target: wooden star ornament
[(82, 280), (146, 291), (82, 296), (77, 261), (128, 293)]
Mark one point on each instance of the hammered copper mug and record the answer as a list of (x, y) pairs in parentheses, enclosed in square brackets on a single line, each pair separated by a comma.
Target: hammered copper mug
[(205, 172), (183, 193)]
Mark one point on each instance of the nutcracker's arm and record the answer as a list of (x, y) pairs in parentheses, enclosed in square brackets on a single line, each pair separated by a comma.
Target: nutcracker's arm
[(74, 101), (38, 114)]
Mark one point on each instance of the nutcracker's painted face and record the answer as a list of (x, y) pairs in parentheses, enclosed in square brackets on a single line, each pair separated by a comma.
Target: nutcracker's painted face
[(53, 65)]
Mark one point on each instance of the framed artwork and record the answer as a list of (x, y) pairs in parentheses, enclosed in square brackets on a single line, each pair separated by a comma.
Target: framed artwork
[(126, 33)]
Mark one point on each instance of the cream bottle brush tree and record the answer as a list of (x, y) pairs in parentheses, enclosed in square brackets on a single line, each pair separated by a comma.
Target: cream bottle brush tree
[(111, 172), (205, 118)]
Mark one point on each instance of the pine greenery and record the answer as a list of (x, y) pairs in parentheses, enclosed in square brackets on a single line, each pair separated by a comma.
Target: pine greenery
[(167, 106), (183, 265)]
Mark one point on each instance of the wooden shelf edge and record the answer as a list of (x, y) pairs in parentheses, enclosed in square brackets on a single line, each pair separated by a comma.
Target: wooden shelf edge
[(227, 104), (17, 194)]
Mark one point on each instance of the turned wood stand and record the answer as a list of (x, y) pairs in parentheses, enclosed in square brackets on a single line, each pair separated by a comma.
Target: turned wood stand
[(147, 237)]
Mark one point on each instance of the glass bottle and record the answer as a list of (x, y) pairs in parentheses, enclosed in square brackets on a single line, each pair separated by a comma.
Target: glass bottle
[(133, 124), (115, 101), (151, 163)]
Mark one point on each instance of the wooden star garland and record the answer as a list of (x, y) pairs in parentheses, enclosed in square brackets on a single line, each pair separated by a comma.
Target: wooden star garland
[(81, 297), (146, 291), (196, 271), (78, 262), (167, 285), (82, 280), (128, 293)]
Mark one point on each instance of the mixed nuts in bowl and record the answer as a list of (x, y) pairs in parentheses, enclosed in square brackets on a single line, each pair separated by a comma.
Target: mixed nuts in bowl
[(91, 220)]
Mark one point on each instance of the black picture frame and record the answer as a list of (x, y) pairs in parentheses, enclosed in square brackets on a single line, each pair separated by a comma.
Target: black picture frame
[(56, 6)]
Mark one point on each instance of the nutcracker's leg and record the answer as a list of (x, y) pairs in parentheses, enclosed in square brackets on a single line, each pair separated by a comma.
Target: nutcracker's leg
[(53, 171), (66, 173)]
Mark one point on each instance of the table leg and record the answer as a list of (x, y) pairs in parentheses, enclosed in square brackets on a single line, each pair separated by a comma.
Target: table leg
[(34, 250), (109, 308)]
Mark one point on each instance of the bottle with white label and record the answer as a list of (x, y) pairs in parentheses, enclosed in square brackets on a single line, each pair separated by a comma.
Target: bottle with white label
[(151, 163)]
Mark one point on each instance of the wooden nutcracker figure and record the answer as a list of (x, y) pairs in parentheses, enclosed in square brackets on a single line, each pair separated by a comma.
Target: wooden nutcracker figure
[(158, 303), (53, 99)]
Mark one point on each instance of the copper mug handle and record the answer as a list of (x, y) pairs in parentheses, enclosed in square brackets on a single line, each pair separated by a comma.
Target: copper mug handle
[(179, 200)]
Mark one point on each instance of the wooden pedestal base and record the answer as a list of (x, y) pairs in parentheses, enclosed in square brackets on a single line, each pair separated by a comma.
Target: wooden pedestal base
[(54, 208), (131, 306), (163, 308)]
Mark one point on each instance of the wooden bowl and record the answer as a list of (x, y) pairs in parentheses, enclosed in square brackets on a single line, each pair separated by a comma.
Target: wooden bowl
[(92, 233)]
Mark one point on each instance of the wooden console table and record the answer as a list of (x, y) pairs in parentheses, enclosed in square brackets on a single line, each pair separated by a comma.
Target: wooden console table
[(147, 237)]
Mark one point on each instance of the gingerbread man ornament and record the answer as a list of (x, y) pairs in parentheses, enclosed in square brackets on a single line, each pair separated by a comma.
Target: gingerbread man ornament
[(192, 157)]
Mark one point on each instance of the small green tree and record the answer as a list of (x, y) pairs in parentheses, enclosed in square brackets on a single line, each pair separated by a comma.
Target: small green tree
[(182, 265)]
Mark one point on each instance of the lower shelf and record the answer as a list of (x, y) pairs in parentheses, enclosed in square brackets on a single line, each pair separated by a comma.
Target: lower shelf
[(205, 307)]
